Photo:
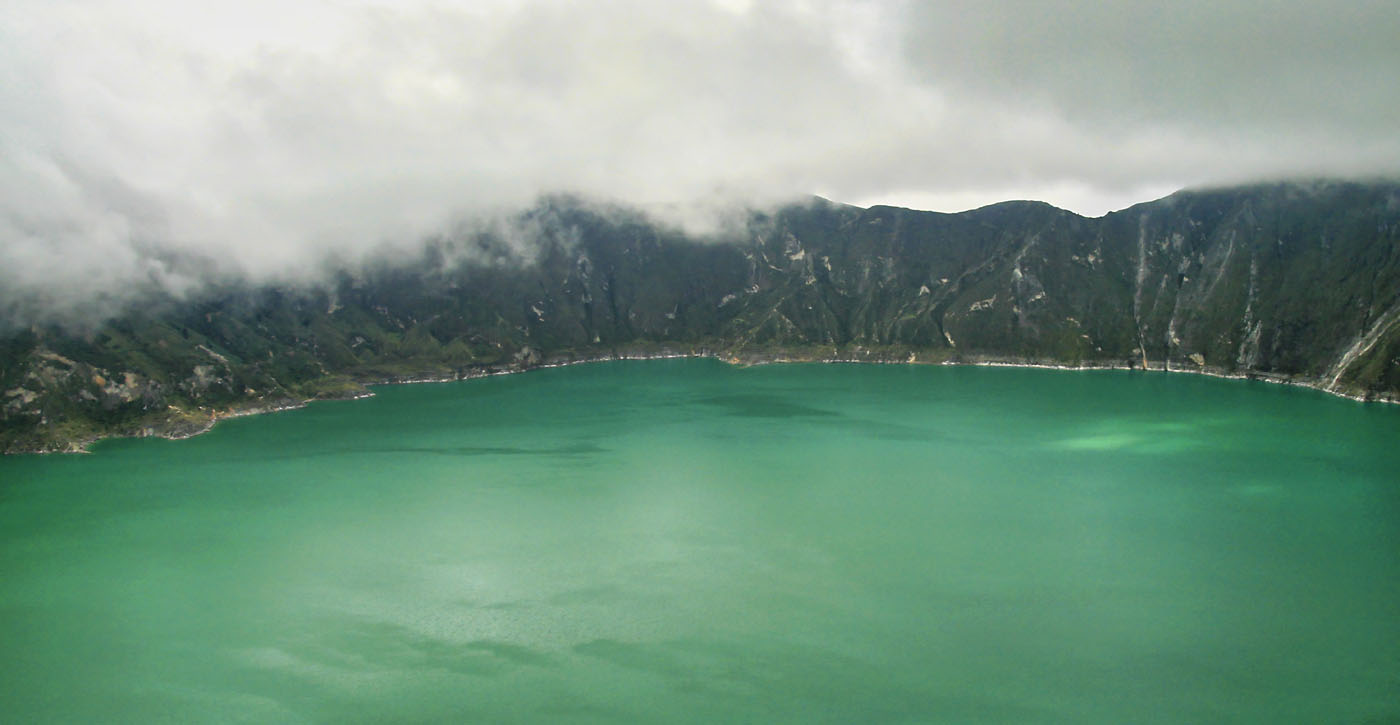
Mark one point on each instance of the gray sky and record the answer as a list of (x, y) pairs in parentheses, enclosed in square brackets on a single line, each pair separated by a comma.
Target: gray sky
[(140, 137)]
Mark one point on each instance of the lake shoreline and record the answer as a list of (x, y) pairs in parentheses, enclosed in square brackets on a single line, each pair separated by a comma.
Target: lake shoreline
[(188, 424)]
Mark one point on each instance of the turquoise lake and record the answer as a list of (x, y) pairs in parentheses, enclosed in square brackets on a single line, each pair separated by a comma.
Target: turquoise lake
[(684, 541)]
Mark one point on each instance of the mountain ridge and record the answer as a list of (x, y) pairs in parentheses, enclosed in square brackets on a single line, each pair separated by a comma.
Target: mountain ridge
[(1288, 281)]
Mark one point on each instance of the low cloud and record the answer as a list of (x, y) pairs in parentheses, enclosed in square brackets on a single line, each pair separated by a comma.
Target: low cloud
[(158, 145)]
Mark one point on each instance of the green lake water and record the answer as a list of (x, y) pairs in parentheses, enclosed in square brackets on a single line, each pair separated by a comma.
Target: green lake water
[(686, 541)]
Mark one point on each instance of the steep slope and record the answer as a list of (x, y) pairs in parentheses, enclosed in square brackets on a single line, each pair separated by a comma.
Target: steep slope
[(1297, 281)]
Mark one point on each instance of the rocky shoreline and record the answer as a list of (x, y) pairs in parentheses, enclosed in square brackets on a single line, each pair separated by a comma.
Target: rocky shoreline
[(185, 424)]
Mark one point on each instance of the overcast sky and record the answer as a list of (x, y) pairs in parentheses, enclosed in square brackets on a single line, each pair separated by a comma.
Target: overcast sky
[(137, 137)]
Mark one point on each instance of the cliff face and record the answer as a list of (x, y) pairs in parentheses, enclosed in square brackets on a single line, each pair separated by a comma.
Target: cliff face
[(1291, 281)]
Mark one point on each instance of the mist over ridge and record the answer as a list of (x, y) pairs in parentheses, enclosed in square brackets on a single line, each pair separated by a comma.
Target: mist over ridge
[(159, 147)]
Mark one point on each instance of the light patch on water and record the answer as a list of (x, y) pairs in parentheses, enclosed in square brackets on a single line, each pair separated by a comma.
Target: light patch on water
[(236, 707), (1106, 442), (1135, 436), (346, 674)]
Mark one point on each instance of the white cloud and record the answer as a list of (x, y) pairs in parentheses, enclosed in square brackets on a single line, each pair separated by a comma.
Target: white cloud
[(137, 138)]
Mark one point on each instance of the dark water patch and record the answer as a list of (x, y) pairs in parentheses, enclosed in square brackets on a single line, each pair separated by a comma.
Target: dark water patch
[(764, 406), (387, 647), (899, 433), (645, 658), (575, 449)]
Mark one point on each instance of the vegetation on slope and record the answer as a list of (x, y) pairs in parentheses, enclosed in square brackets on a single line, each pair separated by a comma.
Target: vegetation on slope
[(1291, 281)]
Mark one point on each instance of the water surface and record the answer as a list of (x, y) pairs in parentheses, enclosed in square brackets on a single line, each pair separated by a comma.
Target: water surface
[(686, 541)]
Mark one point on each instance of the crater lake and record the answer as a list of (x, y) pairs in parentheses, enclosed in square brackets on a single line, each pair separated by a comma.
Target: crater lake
[(685, 541)]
